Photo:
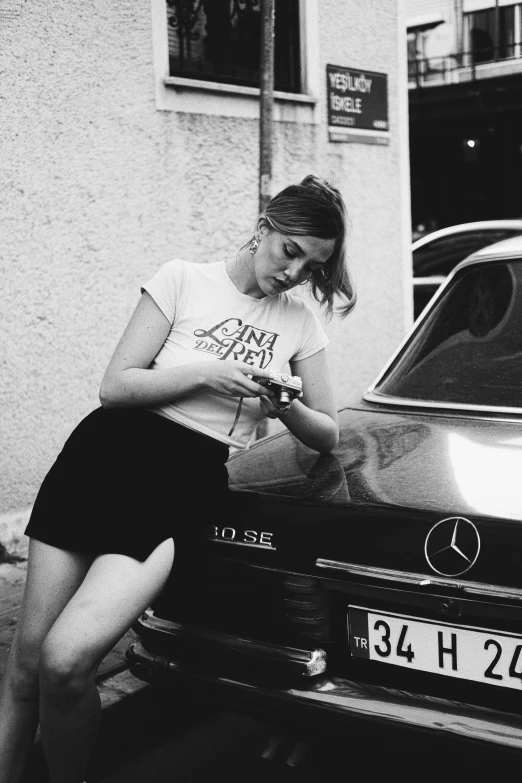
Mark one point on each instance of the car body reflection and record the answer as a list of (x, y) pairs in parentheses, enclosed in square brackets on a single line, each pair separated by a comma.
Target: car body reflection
[(350, 584)]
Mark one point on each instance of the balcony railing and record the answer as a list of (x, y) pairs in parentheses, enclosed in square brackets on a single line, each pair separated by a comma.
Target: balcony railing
[(464, 66)]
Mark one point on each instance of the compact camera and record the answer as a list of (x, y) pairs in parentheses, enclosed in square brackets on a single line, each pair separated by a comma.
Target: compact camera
[(286, 387)]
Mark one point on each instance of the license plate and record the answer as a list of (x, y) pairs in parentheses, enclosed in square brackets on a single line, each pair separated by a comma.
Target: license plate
[(439, 648)]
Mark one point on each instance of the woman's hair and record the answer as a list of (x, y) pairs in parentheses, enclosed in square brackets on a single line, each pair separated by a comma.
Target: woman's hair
[(316, 208)]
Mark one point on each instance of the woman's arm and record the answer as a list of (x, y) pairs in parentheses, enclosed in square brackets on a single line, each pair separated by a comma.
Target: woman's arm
[(313, 417), (128, 381)]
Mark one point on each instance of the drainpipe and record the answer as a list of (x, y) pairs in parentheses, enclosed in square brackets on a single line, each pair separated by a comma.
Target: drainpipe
[(497, 31), (458, 10), (266, 106)]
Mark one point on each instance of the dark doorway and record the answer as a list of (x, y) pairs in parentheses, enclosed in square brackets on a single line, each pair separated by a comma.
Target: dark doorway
[(466, 161)]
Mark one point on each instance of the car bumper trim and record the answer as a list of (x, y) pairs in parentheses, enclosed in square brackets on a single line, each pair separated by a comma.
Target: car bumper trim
[(289, 660), (406, 577), (339, 698)]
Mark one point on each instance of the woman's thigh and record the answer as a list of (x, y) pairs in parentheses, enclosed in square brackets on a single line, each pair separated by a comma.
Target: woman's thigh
[(115, 591), (53, 576)]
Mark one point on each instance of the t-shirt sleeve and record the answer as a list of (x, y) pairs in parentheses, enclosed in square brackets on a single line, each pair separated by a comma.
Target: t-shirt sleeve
[(313, 337), (166, 287)]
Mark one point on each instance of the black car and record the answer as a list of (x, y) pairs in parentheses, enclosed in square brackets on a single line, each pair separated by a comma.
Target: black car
[(436, 254), (382, 582)]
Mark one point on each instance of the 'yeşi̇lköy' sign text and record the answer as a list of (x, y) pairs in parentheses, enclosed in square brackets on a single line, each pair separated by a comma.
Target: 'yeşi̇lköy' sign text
[(357, 99)]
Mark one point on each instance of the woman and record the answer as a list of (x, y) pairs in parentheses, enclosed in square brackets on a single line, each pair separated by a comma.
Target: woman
[(138, 474)]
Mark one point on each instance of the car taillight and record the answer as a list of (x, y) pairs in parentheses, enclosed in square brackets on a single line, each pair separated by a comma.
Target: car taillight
[(239, 598), (306, 605)]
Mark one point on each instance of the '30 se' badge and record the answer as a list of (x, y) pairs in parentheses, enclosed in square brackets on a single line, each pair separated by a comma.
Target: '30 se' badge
[(229, 535)]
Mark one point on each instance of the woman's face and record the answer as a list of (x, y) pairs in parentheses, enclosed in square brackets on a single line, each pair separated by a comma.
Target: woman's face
[(282, 261)]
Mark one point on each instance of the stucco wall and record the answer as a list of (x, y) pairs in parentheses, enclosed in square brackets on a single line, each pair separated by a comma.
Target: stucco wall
[(417, 9), (99, 188)]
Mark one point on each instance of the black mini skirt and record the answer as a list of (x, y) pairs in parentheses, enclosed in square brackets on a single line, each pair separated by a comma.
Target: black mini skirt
[(125, 481)]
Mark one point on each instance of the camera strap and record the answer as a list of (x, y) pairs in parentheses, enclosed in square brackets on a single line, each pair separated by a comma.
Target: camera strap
[(238, 414)]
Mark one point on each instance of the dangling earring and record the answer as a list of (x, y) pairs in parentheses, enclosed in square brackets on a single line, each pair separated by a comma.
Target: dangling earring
[(254, 244)]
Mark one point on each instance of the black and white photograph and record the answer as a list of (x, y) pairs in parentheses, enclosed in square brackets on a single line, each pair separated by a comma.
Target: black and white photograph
[(261, 382)]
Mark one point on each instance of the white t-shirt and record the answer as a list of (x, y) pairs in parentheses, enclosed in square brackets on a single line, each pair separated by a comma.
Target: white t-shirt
[(212, 320)]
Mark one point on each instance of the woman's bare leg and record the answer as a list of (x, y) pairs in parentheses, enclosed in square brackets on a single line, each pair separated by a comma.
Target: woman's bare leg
[(53, 576), (116, 590)]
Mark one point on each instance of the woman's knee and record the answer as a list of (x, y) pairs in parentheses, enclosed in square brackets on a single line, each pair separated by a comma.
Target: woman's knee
[(66, 671)]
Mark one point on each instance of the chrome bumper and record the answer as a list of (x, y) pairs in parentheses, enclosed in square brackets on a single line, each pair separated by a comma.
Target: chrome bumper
[(271, 657), (337, 698)]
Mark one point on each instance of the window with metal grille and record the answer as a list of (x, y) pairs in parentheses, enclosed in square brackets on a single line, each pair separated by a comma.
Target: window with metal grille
[(492, 33), (219, 40)]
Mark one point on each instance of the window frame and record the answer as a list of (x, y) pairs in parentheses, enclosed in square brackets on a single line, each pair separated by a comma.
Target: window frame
[(374, 395), (468, 346), (196, 96), (517, 32), (221, 42)]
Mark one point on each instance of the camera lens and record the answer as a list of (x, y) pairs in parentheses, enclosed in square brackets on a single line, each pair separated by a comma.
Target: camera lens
[(285, 398)]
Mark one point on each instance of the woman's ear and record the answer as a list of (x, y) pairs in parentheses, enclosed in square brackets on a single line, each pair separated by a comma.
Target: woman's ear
[(263, 227)]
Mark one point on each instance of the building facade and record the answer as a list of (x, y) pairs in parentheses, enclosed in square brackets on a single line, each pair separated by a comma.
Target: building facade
[(465, 70), (130, 136)]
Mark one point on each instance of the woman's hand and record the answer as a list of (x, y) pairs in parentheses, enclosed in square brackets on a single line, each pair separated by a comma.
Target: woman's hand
[(128, 381), (235, 379), (271, 407), (312, 418)]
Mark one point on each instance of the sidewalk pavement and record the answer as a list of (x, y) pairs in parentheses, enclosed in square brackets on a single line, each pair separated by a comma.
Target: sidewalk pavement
[(115, 682)]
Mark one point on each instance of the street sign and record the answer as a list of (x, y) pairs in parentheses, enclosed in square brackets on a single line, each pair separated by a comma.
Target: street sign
[(357, 105)]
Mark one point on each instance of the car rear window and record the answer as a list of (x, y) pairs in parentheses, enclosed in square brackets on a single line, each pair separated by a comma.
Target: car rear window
[(441, 255), (468, 350)]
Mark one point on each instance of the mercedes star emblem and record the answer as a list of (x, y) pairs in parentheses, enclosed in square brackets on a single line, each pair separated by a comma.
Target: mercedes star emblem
[(452, 546)]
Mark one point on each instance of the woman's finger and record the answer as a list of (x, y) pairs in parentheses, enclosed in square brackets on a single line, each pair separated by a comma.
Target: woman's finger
[(255, 388), (268, 407), (253, 372)]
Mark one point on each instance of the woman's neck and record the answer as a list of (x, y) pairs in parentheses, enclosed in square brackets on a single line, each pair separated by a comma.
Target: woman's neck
[(241, 271)]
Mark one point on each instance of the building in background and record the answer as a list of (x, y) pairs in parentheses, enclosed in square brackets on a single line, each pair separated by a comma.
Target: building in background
[(465, 101), (130, 136)]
